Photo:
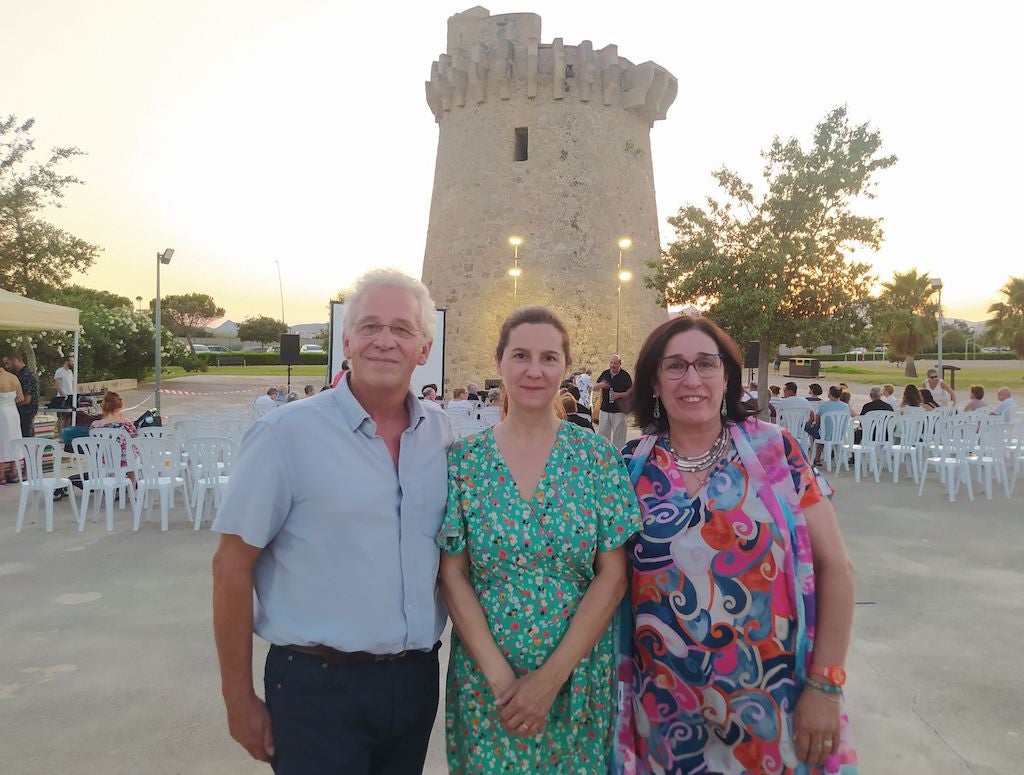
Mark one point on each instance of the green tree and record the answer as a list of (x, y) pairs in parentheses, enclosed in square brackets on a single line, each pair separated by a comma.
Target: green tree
[(906, 314), (775, 266), (86, 298), (36, 257), (188, 314), (262, 329), (1007, 323)]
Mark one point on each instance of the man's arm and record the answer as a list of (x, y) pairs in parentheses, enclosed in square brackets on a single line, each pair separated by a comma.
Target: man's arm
[(248, 718)]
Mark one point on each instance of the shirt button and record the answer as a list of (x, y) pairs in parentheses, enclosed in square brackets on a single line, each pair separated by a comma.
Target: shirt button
[(279, 686), (324, 665), (290, 657)]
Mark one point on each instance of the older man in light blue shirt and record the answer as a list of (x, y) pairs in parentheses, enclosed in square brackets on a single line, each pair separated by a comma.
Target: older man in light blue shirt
[(330, 517)]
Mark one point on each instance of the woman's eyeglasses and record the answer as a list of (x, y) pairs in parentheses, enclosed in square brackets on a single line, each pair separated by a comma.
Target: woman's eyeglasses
[(706, 365)]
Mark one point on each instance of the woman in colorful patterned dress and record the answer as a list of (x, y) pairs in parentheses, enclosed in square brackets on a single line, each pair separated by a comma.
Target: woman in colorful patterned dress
[(741, 586), (532, 569)]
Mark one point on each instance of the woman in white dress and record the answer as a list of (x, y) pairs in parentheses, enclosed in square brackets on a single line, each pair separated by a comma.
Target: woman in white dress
[(10, 426)]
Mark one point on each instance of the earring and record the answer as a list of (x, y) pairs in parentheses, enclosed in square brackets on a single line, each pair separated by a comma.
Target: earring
[(657, 408), (725, 408)]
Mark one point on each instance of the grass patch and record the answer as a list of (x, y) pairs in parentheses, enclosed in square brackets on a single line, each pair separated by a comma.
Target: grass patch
[(989, 377)]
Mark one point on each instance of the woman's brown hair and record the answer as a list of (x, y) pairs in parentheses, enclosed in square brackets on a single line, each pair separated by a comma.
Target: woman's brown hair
[(647, 363), (537, 316), (112, 402)]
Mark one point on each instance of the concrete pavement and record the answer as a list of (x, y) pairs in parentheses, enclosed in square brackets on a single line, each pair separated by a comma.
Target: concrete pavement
[(107, 662)]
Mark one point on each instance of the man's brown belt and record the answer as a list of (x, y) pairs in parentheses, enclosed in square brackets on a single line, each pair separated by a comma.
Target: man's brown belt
[(335, 657)]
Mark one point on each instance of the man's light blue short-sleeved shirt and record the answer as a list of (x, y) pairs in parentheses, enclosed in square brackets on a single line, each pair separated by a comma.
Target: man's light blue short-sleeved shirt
[(349, 559)]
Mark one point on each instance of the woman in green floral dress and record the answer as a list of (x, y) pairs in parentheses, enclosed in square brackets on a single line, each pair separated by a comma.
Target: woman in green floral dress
[(533, 567)]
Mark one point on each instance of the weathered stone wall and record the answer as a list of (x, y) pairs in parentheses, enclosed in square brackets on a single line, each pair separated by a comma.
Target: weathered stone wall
[(586, 183)]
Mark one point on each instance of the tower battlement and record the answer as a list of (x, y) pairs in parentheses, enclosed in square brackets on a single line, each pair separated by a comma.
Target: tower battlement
[(501, 58)]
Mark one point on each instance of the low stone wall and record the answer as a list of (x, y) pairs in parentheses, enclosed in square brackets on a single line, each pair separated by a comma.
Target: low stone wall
[(118, 385)]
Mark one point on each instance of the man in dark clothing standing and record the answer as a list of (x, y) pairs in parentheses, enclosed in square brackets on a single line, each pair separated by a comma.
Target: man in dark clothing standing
[(616, 389), (29, 406)]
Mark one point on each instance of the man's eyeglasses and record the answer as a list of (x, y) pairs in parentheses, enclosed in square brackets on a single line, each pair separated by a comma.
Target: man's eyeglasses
[(706, 365), (398, 330)]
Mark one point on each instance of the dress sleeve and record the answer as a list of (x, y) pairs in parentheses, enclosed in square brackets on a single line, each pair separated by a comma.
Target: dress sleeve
[(451, 538), (618, 511), (810, 486)]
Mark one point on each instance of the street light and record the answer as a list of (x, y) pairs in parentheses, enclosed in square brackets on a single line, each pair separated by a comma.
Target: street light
[(138, 304), (280, 288), (515, 272), (937, 286), (624, 276), (161, 258)]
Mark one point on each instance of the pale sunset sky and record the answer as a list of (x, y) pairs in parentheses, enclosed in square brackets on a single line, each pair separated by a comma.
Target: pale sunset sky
[(243, 131)]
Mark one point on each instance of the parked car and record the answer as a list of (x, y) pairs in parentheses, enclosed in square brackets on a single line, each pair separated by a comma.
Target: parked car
[(217, 348), (256, 348), (311, 348), (200, 348)]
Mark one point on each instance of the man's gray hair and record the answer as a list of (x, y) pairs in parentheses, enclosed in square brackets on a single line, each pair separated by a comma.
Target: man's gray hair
[(391, 278), (875, 392)]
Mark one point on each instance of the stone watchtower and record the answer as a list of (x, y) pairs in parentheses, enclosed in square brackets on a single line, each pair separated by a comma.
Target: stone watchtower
[(549, 143)]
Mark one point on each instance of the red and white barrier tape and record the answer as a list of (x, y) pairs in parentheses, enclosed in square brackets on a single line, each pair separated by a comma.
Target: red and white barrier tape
[(169, 392)]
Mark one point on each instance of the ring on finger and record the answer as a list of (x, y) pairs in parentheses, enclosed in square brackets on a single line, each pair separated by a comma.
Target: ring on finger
[(827, 742)]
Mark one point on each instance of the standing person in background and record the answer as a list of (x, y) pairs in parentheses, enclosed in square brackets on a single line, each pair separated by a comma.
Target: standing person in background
[(616, 388), (28, 406), (585, 384), (942, 394), (10, 427), (330, 517), (64, 382)]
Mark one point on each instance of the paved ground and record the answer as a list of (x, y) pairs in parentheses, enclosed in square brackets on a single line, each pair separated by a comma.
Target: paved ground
[(107, 660)]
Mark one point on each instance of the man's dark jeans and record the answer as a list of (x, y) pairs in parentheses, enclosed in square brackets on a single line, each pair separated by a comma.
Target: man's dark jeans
[(367, 719), (28, 420)]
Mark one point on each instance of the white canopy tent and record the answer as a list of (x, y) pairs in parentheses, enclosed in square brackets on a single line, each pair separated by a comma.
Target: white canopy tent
[(18, 313)]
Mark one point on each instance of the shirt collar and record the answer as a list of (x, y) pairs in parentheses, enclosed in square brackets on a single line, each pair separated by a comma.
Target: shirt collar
[(356, 416)]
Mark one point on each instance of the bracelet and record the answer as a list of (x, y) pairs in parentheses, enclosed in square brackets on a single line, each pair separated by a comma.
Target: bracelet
[(833, 692)]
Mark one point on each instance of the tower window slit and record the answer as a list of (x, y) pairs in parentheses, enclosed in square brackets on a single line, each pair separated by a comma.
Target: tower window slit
[(522, 144)]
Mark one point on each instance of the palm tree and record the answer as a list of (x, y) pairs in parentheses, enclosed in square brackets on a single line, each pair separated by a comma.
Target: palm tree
[(1007, 323), (907, 315)]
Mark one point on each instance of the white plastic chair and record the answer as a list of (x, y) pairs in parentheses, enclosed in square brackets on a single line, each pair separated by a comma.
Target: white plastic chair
[(876, 432), (490, 415), (464, 427), (832, 438), (99, 467), (36, 480), (156, 433), (124, 441), (159, 472), (990, 456), (958, 439), (209, 460), (794, 420), (907, 430), (236, 428), (459, 412)]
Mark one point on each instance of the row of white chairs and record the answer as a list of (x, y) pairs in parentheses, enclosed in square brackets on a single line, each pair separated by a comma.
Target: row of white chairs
[(194, 455), (949, 442)]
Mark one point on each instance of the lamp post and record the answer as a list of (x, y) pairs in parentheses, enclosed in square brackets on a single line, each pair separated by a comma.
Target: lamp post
[(280, 288), (138, 304), (515, 272), (624, 276), (161, 258), (937, 286)]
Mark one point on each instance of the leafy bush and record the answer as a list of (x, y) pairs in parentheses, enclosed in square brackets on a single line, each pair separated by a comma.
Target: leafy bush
[(115, 343)]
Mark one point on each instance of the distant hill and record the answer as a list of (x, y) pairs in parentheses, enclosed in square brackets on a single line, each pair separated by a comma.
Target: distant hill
[(227, 328)]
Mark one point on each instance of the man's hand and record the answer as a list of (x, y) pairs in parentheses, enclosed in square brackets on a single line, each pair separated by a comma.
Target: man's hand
[(249, 724)]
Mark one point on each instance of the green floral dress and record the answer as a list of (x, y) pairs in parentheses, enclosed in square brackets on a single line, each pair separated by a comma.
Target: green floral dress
[(530, 564)]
